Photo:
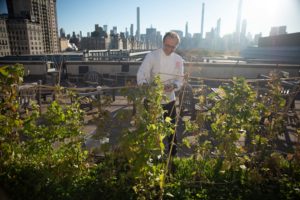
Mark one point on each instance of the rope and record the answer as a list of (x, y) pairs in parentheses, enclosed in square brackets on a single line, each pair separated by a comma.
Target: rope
[(48, 87), (230, 80)]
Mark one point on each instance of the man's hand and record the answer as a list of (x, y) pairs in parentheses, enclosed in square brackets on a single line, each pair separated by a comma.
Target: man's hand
[(168, 88)]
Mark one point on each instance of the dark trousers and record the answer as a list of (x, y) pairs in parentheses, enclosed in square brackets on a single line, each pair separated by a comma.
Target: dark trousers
[(170, 109)]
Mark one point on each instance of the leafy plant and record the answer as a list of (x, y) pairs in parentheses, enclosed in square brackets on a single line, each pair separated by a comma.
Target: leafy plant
[(42, 157), (41, 152)]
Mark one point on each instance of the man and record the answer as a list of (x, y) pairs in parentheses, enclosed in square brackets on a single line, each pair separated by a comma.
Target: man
[(165, 63)]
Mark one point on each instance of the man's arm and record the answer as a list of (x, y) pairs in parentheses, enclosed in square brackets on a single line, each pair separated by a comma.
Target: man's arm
[(144, 72), (179, 77)]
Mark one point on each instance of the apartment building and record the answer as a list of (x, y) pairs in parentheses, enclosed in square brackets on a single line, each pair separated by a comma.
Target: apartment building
[(33, 25), (26, 37), (4, 40)]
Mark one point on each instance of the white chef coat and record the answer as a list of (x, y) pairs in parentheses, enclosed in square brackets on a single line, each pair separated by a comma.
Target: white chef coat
[(168, 67)]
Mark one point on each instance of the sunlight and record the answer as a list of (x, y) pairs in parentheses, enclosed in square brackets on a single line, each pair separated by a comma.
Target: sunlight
[(259, 11), (263, 14)]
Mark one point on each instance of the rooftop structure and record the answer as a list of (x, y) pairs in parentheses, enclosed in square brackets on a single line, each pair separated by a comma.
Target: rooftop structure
[(283, 48)]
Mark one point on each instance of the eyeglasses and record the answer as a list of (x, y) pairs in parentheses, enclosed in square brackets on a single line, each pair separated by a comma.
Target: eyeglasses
[(170, 46)]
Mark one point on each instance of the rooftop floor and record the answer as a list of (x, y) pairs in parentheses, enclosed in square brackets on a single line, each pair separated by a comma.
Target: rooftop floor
[(90, 128)]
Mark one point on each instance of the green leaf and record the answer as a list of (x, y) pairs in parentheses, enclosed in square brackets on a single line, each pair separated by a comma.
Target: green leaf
[(4, 71), (186, 142)]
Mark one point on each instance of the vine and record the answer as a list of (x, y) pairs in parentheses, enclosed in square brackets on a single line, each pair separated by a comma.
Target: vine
[(236, 155)]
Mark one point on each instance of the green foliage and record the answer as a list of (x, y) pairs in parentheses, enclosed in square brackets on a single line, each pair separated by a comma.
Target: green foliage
[(10, 122), (143, 146), (42, 155), (225, 168)]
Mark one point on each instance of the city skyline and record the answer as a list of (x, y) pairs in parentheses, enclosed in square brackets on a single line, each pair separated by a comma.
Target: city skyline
[(78, 15), (174, 14)]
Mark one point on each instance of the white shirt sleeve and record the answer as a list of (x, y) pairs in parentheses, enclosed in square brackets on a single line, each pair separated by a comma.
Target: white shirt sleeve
[(144, 72)]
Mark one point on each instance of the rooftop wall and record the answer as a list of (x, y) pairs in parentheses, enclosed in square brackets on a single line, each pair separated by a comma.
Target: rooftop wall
[(284, 40), (195, 69)]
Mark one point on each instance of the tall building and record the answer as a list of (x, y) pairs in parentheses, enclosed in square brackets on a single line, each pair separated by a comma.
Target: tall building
[(151, 40), (4, 40), (244, 29), (131, 30), (218, 28), (25, 37), (115, 30), (105, 28), (243, 36), (186, 29), (126, 33), (202, 20), (278, 30), (238, 21), (32, 24), (98, 39), (138, 33), (62, 33)]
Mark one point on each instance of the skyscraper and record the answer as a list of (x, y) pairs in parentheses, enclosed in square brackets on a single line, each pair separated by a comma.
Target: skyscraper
[(105, 28), (62, 33), (38, 21), (202, 20), (115, 30), (238, 21), (186, 29), (218, 28), (151, 42), (244, 29), (131, 30), (138, 37), (243, 38)]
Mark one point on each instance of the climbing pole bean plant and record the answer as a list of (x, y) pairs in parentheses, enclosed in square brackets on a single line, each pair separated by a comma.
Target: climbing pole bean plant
[(235, 155)]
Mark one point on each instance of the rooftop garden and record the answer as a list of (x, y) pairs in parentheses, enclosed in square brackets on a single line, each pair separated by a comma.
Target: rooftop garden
[(236, 151)]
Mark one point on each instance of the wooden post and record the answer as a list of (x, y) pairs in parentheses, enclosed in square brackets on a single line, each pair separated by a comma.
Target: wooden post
[(113, 94), (39, 96)]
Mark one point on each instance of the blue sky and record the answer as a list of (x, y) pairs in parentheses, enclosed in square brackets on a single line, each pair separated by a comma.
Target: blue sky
[(165, 15)]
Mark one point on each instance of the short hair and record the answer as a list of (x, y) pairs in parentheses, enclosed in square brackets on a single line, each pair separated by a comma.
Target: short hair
[(172, 35)]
